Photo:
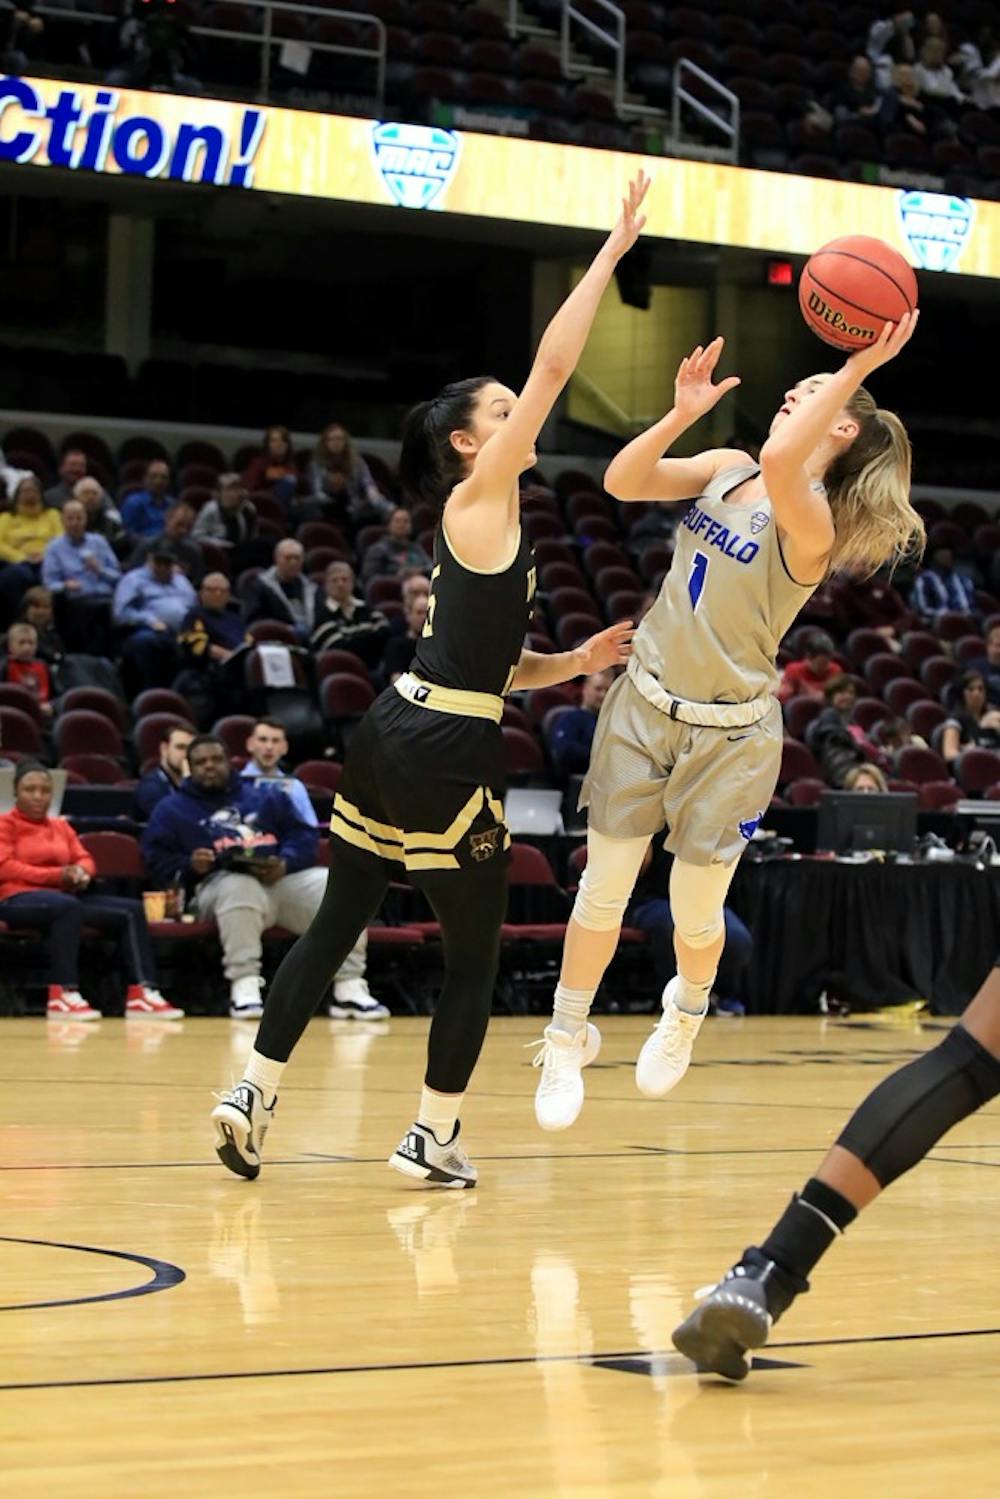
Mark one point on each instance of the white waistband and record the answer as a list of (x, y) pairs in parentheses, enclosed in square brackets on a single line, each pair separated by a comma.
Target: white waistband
[(705, 715)]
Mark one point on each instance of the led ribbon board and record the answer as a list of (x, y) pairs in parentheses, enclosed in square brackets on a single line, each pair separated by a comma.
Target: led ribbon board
[(425, 168)]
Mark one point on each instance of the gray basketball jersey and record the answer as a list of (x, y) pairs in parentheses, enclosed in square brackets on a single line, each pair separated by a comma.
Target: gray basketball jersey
[(713, 633)]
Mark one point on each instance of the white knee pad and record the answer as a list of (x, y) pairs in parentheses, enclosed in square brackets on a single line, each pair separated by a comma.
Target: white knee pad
[(697, 896), (608, 880)]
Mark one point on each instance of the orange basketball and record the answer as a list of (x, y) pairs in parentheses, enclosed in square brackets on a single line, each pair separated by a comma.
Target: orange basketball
[(852, 287)]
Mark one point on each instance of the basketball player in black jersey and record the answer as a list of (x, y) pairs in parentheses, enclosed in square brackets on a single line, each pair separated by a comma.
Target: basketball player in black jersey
[(424, 780), (892, 1131)]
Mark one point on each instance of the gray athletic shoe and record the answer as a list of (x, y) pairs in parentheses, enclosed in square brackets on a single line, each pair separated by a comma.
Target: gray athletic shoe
[(419, 1154), (737, 1315), (242, 1120)]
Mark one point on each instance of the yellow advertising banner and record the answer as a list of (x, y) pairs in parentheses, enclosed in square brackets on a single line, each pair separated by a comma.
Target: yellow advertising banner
[(427, 168)]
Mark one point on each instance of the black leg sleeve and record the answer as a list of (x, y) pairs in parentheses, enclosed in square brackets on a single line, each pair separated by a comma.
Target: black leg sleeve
[(353, 894), (907, 1114), (470, 908)]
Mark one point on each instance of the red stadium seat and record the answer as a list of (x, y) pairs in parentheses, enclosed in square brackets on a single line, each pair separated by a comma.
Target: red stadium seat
[(805, 792), (543, 699), (81, 733), (625, 604), (344, 695), (919, 646), (515, 718), (234, 730), (655, 560), (161, 700), (572, 628), (951, 625), (329, 662), (563, 601), (382, 588), (551, 550), (586, 503), (937, 796), (94, 770), (976, 769), (323, 774), (272, 630), (603, 554), (882, 669), (920, 765), (96, 700), (797, 763), (924, 717), (543, 528), (900, 693), (970, 648), (522, 753), (937, 673), (862, 645), (799, 713), (13, 695), (868, 711), (319, 533), (560, 575), (614, 580)]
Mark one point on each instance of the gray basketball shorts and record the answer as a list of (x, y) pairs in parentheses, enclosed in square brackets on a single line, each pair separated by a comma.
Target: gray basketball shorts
[(710, 787)]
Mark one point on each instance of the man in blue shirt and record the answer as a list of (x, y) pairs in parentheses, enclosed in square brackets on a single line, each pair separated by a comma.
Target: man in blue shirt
[(940, 588), (249, 863), (145, 511), (151, 602), (572, 734), (267, 746), (168, 775), (81, 571)]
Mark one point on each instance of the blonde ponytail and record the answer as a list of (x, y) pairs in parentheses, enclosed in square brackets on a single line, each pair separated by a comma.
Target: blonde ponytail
[(868, 487)]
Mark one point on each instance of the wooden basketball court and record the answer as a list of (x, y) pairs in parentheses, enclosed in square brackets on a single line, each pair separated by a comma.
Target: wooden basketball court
[(331, 1330)]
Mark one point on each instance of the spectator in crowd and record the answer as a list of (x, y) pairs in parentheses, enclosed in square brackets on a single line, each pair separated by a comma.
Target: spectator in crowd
[(809, 676), (649, 910), (81, 571), (38, 609), (940, 588), (152, 603), (872, 604), (981, 77), (396, 551), (274, 469), (345, 622), (230, 520), (25, 531), (156, 50), (988, 666), (22, 43), (341, 483), (72, 467), (45, 882), (168, 775), (837, 743), (102, 517), (144, 512), (891, 41), (413, 583), (24, 667), (891, 735), (267, 746), (210, 635), (973, 723), (865, 778), (935, 78), (283, 594), (859, 101), (178, 524), (573, 732), (904, 108), (10, 477), (400, 651), (249, 862)]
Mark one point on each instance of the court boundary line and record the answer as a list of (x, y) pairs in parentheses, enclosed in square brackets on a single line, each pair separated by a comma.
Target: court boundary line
[(165, 1275), (513, 1361)]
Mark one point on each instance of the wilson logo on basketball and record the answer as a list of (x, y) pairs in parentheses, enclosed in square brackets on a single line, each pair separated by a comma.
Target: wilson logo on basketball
[(835, 319)]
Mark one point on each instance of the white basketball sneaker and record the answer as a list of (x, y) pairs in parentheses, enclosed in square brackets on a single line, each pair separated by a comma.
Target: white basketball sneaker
[(562, 1058), (241, 1118), (421, 1154), (666, 1056)]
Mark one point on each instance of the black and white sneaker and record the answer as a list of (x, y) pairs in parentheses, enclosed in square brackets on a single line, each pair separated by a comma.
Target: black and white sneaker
[(352, 1000), (420, 1154), (241, 1120), (736, 1316)]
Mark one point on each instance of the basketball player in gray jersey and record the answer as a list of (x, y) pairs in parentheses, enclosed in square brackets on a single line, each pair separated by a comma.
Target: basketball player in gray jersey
[(691, 736)]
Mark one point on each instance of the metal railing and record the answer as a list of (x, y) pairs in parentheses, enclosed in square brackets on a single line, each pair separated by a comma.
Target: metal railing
[(729, 127), (270, 36)]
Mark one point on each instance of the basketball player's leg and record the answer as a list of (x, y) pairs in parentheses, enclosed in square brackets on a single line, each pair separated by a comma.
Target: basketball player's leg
[(891, 1132), (355, 888)]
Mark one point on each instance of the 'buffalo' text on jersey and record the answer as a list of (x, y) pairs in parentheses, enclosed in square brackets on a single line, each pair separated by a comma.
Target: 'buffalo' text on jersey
[(476, 620), (712, 635)]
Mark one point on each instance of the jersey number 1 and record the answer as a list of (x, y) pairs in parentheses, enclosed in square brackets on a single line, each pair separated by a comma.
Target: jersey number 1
[(696, 582)]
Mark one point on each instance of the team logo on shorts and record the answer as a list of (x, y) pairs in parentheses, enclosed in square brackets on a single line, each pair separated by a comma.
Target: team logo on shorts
[(416, 162), (758, 521), (750, 826), (937, 228), (483, 846)]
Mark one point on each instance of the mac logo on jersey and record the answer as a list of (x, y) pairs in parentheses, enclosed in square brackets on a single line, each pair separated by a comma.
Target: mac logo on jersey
[(937, 228), (758, 521), (416, 162)]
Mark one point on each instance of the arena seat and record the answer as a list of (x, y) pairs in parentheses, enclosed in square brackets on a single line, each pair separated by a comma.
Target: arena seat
[(937, 796), (12, 695), (571, 629), (522, 753), (924, 717), (161, 700), (920, 765), (325, 775), (234, 730), (344, 695), (805, 792), (900, 693), (976, 769), (151, 730), (797, 763), (327, 663), (868, 711), (937, 673), (80, 732), (96, 700)]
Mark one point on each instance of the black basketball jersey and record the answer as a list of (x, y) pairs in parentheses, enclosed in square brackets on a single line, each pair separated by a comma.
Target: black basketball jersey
[(476, 621)]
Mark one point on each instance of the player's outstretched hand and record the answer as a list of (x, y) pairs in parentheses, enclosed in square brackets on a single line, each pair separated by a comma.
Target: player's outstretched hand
[(631, 222), (612, 647), (890, 342), (694, 392)]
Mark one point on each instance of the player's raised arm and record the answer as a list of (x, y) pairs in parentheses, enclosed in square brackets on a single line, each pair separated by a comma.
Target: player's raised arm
[(640, 472), (501, 458), (811, 417)]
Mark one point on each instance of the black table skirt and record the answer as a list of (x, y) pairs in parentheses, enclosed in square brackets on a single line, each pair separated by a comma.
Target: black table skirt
[(874, 934)]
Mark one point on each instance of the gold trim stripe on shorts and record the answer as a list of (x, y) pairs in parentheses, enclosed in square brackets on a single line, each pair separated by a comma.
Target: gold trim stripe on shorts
[(449, 699), (413, 850)]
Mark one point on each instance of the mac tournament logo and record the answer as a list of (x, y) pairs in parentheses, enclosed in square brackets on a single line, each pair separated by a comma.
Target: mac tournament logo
[(937, 227), (415, 162), (758, 521)]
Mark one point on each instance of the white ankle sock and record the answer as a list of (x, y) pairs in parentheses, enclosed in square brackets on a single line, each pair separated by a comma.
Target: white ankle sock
[(571, 1008), (690, 997), (264, 1072), (439, 1113)]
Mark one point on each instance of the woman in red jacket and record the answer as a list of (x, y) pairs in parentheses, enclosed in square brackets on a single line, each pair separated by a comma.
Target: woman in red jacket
[(45, 874)]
